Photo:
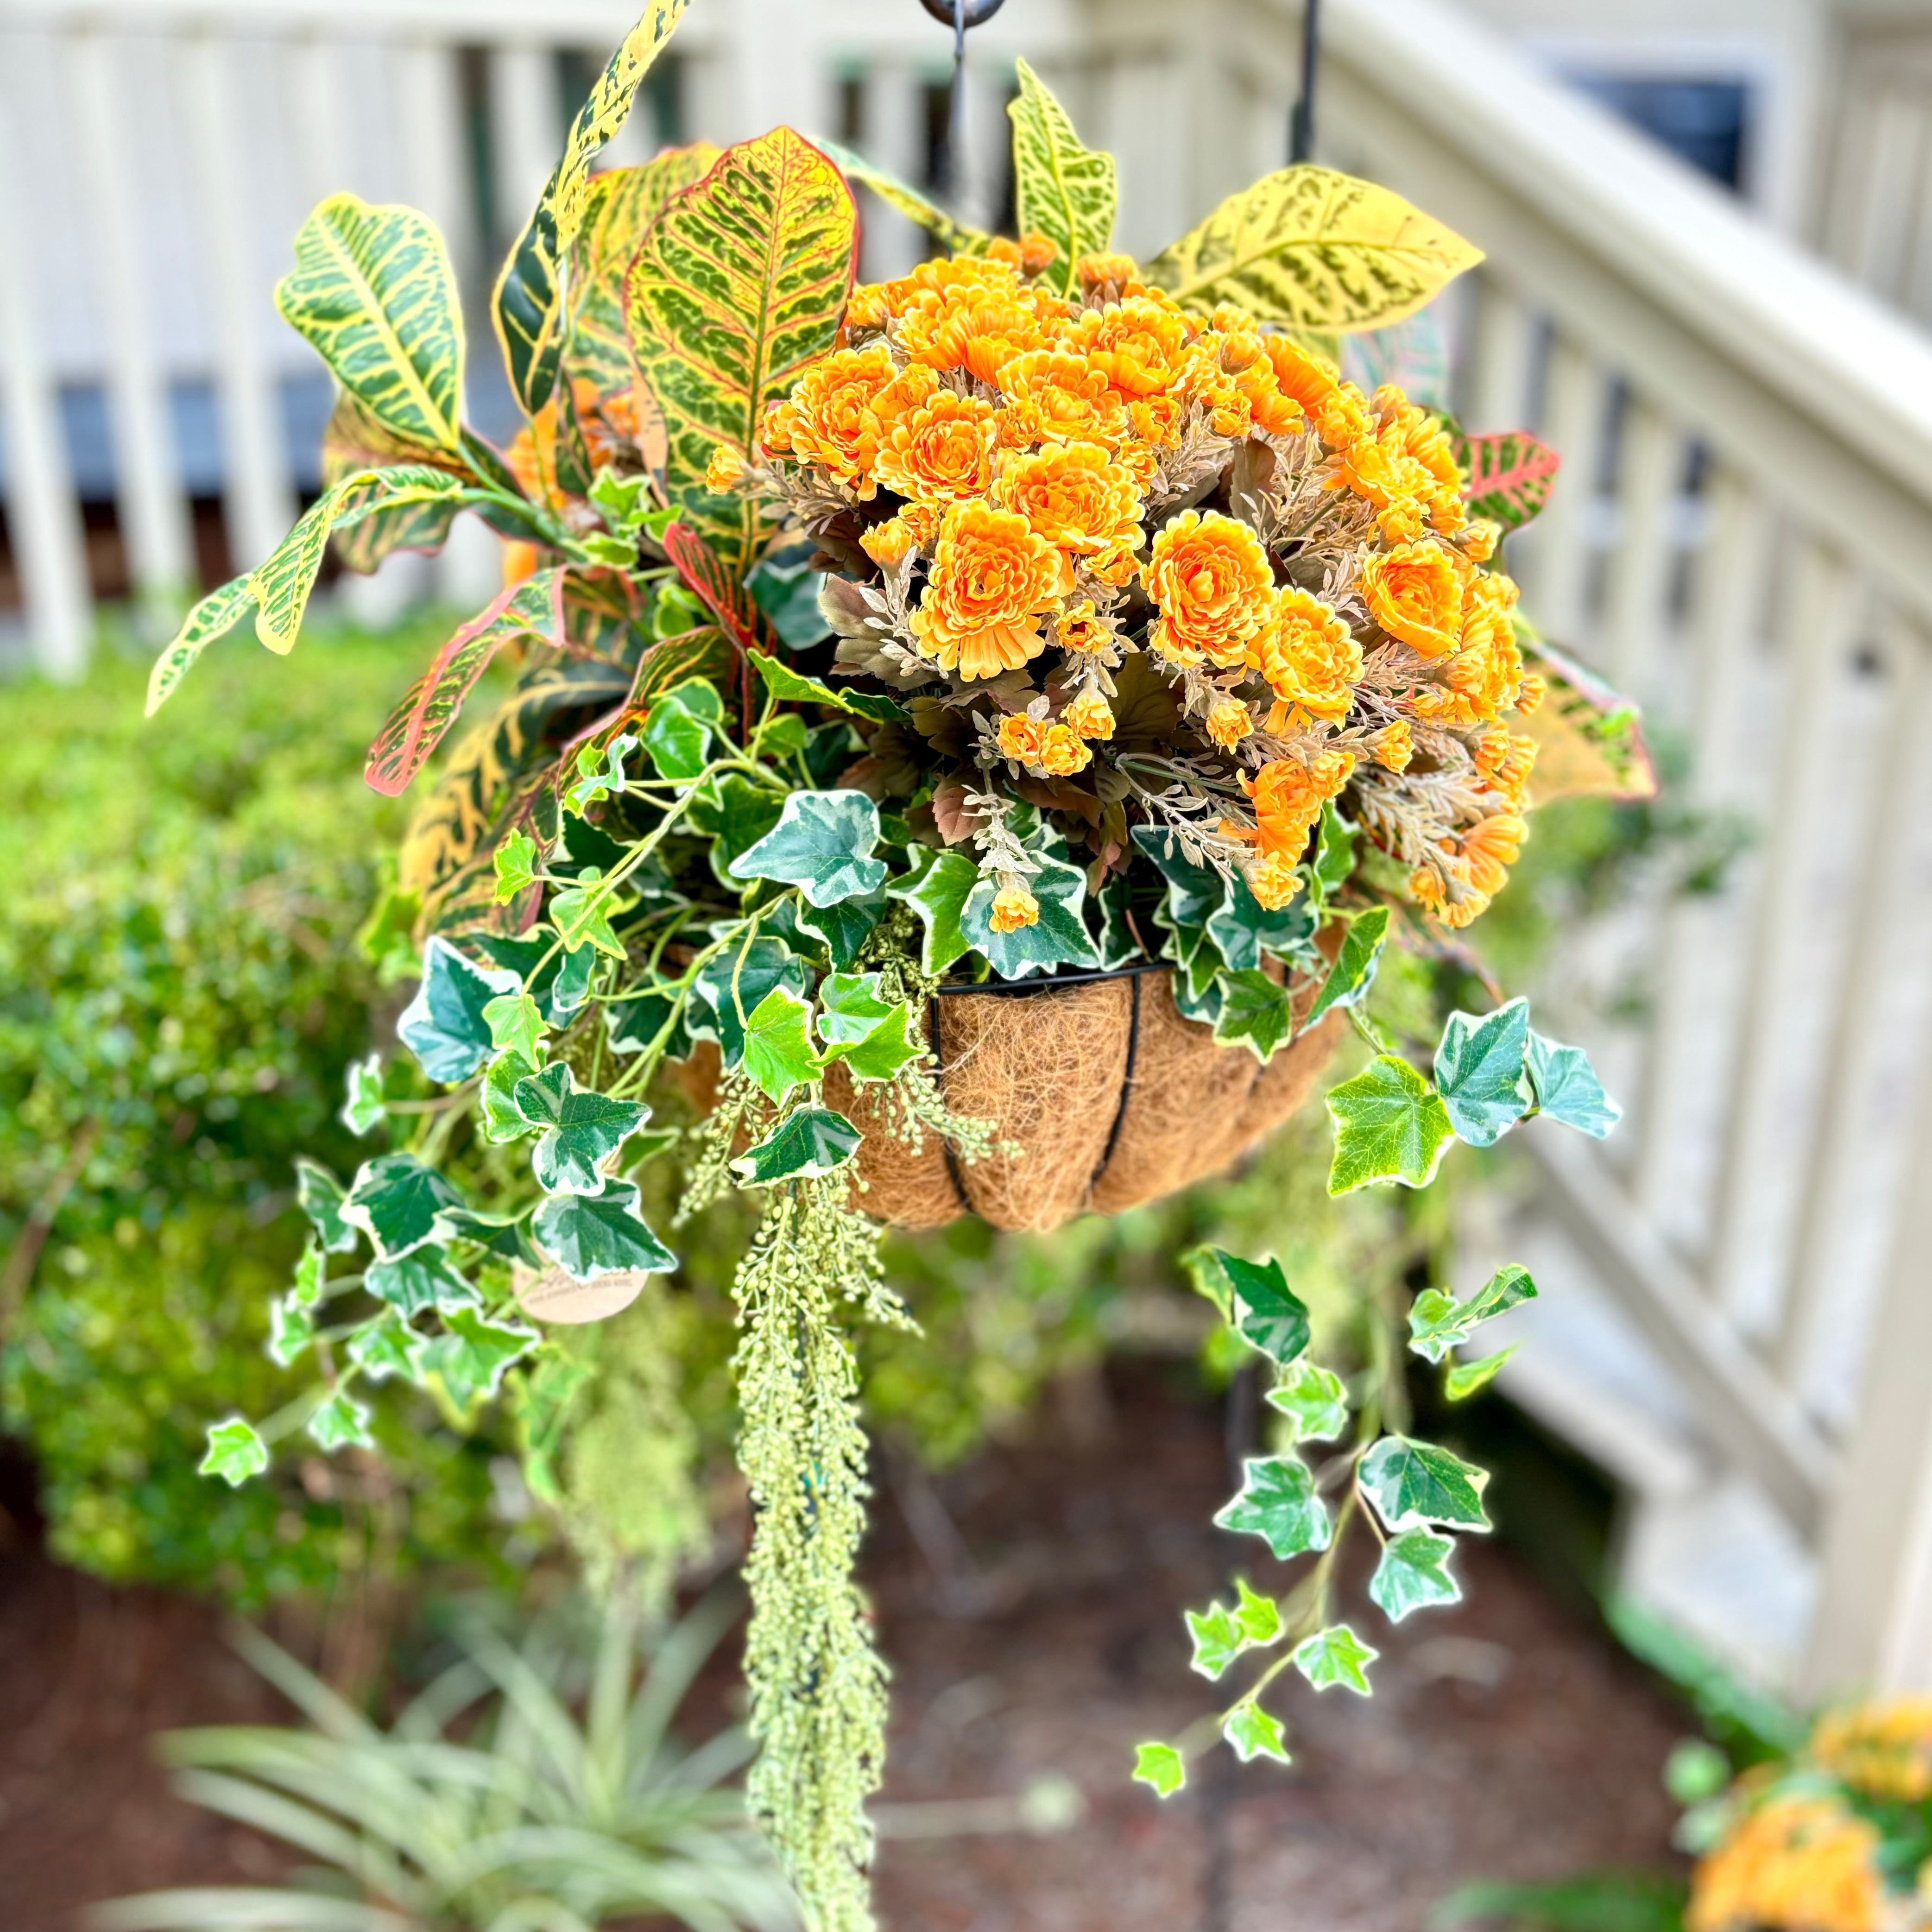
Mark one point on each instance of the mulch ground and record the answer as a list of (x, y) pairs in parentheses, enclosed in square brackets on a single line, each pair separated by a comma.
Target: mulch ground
[(1031, 1604)]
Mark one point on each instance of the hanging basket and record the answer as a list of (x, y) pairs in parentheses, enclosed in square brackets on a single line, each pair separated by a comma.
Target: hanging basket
[(1112, 1096)]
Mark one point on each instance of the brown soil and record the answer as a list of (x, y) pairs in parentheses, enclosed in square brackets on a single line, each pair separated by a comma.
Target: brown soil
[(1031, 1604)]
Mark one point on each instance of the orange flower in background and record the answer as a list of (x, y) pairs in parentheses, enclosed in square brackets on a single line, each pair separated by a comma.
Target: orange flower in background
[(1077, 497), (1381, 473), (1052, 397), (725, 471), (1414, 592), (1211, 579), (520, 561), (1288, 796), (1883, 1751), (1792, 1865), (1113, 276), (990, 579), (940, 453), (1529, 697), (1393, 745), (1485, 677), (1140, 345), (1489, 848), (1309, 657), (1228, 722), (1090, 715), (1506, 759), (1063, 752), (1013, 906), (1479, 539), (1021, 738), (893, 541), (829, 418)]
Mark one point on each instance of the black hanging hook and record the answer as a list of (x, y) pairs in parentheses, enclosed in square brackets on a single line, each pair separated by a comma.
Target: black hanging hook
[(959, 15), (1301, 123)]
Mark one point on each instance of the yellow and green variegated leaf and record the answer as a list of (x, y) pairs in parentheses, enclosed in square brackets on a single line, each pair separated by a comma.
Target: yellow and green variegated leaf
[(374, 292), (1064, 190), (281, 586), (355, 440), (905, 200), (739, 283), (1314, 250), (219, 611), (623, 202), (528, 305)]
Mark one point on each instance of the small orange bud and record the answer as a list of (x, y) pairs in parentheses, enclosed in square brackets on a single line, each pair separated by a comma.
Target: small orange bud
[(1090, 715), (520, 561), (1013, 906), (1037, 254), (1274, 880), (1228, 723), (1393, 746), (1062, 753)]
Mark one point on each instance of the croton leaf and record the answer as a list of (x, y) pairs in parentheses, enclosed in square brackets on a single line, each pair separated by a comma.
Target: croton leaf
[(1064, 190), (1335, 1655), (216, 614), (937, 891), (1568, 1089), (1481, 1074), (716, 588), (341, 1423), (808, 1143), (469, 1357), (953, 236), (528, 305), (1412, 1483), (678, 732), (822, 844), (411, 731), (398, 1203), (1414, 1574), (1353, 971), (592, 1235), (1058, 937), (1161, 1766), (1314, 250), (1390, 1125), (738, 284), (443, 1026), (235, 1452), (794, 687), (1509, 475), (1278, 1504), (1438, 1322), (1253, 1732), (421, 1279), (1267, 1311), (778, 1054), (1314, 1400), (1256, 1013), (320, 1195), (580, 1130)]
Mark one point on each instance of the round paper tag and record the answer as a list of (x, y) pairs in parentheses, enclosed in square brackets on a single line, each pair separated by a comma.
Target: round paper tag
[(556, 1297)]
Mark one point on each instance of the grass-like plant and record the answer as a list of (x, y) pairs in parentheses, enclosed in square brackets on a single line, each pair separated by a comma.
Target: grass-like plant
[(530, 1787)]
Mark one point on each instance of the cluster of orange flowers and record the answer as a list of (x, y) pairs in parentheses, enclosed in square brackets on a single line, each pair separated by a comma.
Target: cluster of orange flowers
[(1038, 458), (1791, 1864), (1883, 1751)]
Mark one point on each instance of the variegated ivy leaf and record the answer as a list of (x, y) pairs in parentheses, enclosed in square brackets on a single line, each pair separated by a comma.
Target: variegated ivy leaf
[(399, 1204), (1414, 1574), (731, 814), (1267, 1311), (1253, 1732), (235, 1452), (514, 863), (375, 295), (1334, 1656), (1278, 1503), (580, 1130), (873, 1036), (1567, 1088), (1353, 971), (1259, 1617), (469, 1357), (581, 914), (341, 1423), (421, 1279), (320, 1195), (1482, 1074), (808, 1143), (1390, 1125), (1243, 929), (728, 989), (678, 733), (1314, 1400), (1413, 1482), (362, 1111), (444, 1025), (1058, 937), (515, 1024), (602, 769), (389, 1347), (312, 1274), (1465, 1379), (291, 1330), (937, 890), (822, 844), (1161, 1766), (1195, 892), (1217, 1639), (1314, 250), (778, 1053), (503, 1119), (1063, 189), (1256, 1013), (842, 929), (1438, 1322), (791, 686), (588, 1235)]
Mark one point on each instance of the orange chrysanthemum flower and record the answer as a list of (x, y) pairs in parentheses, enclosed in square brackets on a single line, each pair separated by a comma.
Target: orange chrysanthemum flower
[(1273, 881), (1490, 847), (1505, 759), (1140, 346), (1052, 397), (1393, 745), (1414, 592), (828, 419), (941, 452), (1310, 657), (1021, 738), (1534, 690), (992, 577), (1791, 1864), (1077, 497), (1013, 906), (1228, 722), (1381, 473), (1063, 752), (1210, 578), (1090, 715), (725, 471), (1111, 277), (1288, 796), (895, 540), (1080, 629), (1479, 539), (1335, 407), (1484, 677), (981, 336)]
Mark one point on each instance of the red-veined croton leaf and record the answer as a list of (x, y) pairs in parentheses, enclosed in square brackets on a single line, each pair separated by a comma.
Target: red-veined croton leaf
[(1510, 475), (721, 593), (416, 727)]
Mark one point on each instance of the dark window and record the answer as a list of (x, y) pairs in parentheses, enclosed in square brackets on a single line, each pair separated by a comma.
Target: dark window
[(1706, 123)]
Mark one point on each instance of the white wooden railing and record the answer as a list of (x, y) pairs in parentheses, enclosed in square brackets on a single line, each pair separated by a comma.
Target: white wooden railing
[(1742, 536)]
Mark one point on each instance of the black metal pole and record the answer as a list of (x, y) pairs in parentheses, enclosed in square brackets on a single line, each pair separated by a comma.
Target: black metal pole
[(1301, 123), (955, 115)]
